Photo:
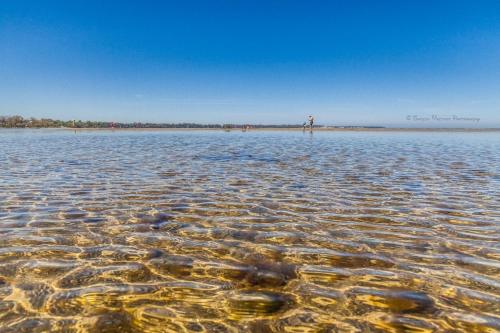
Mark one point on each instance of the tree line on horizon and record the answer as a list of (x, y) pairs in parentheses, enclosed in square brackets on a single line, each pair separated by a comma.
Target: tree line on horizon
[(20, 122)]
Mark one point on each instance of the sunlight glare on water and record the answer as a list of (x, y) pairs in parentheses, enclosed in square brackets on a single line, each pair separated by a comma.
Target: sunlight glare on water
[(206, 231)]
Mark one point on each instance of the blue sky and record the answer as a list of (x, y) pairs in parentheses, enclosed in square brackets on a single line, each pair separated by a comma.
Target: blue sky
[(346, 62)]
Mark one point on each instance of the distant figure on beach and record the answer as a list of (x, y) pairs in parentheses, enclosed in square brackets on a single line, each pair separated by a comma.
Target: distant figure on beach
[(311, 121), (304, 126)]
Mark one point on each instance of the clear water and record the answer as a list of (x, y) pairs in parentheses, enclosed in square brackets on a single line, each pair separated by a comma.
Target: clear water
[(249, 232)]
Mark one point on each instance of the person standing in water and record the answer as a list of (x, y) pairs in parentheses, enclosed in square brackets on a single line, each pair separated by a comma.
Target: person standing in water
[(311, 121)]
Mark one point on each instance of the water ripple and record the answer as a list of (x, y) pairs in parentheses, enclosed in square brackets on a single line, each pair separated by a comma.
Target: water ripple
[(249, 232)]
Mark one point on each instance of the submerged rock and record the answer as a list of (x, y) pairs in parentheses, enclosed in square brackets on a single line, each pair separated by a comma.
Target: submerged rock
[(251, 304), (129, 272), (29, 325), (151, 318), (112, 322), (40, 269), (396, 301), (265, 278), (172, 265), (36, 293), (95, 299)]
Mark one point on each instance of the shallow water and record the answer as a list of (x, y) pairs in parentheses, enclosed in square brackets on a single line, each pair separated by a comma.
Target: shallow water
[(249, 232)]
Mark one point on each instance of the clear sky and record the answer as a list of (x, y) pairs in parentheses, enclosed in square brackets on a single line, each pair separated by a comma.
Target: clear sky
[(346, 62)]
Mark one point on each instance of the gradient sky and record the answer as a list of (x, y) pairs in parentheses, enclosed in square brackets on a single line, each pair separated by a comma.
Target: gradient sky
[(346, 62)]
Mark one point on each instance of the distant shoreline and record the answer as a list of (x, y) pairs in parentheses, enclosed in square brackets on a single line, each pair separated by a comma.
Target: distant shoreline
[(20, 122), (270, 129)]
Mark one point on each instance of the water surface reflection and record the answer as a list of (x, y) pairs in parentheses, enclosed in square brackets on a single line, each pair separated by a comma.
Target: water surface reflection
[(249, 232)]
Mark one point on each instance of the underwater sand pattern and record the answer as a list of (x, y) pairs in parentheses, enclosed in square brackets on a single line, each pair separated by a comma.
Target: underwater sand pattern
[(249, 232)]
